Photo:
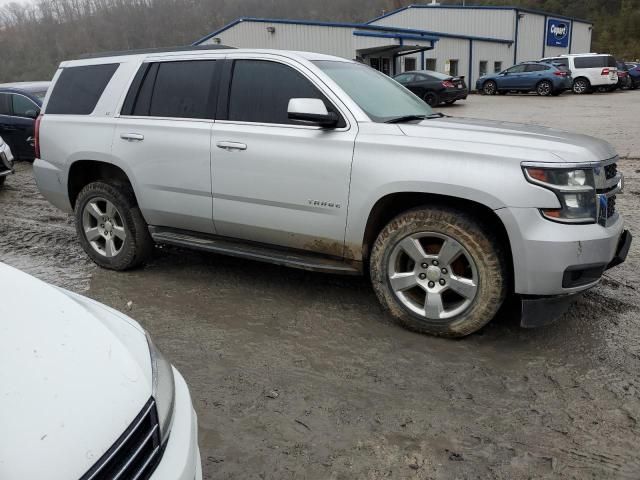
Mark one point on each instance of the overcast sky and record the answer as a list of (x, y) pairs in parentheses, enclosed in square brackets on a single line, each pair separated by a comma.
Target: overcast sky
[(4, 2)]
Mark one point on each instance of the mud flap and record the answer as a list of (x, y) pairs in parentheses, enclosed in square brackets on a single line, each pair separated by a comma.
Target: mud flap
[(540, 311)]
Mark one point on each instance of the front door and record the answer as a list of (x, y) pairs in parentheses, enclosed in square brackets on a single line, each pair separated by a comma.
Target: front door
[(165, 139), (275, 181)]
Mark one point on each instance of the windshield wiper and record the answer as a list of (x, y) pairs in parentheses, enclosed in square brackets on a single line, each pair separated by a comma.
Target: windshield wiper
[(408, 118)]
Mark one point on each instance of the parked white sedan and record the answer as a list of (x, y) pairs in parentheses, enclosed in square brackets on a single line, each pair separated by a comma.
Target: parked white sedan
[(85, 394)]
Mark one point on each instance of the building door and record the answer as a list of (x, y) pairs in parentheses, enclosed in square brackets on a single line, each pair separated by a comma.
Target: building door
[(276, 181), (386, 66)]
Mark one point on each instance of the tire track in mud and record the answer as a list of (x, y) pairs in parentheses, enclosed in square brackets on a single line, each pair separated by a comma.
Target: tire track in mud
[(37, 238)]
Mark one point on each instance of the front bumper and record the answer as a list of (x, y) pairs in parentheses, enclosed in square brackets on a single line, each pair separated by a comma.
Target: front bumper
[(543, 251), (181, 457), (6, 161), (540, 311)]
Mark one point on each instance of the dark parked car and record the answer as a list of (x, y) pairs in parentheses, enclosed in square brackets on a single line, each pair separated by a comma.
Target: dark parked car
[(434, 87), (544, 78), (634, 74), (624, 79), (20, 105)]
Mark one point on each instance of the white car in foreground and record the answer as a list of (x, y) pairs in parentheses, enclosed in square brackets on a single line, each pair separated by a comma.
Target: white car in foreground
[(6, 161), (84, 393)]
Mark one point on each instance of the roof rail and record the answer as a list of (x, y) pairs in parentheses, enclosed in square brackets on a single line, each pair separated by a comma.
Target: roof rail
[(188, 48)]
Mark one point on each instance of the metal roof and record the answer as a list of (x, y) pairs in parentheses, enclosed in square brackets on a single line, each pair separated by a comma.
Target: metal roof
[(484, 7)]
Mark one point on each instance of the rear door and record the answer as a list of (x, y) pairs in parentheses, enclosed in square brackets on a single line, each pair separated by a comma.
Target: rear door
[(164, 135), (533, 74), (275, 181), (23, 115)]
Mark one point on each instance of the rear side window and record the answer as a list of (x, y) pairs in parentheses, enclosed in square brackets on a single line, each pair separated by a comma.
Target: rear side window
[(24, 107), (78, 89), (560, 61), (261, 90), (599, 61), (536, 68), (181, 89)]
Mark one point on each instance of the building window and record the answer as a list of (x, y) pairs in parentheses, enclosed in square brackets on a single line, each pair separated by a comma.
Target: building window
[(453, 68), (375, 63), (483, 68), (409, 64), (386, 66), (430, 64), (497, 67)]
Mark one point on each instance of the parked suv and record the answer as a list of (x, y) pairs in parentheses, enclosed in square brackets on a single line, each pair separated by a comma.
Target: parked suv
[(543, 78), (19, 106), (325, 164), (589, 70)]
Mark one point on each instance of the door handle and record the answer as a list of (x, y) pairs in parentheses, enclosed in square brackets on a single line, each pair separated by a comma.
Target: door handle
[(132, 137), (231, 146)]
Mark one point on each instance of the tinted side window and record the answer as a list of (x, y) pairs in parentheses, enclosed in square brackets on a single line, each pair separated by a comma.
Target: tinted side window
[(5, 104), (183, 89), (536, 68), (405, 77), (78, 89), (23, 107), (261, 90), (594, 62)]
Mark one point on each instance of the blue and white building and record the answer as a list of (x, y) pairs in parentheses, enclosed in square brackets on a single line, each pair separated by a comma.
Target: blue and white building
[(468, 41)]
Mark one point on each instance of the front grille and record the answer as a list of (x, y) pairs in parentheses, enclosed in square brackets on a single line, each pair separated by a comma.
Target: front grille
[(611, 171), (135, 454), (611, 206)]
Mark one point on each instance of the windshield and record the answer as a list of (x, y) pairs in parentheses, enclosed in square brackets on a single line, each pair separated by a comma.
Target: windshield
[(380, 97)]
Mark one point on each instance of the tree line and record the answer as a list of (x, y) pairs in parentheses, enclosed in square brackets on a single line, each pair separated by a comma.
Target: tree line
[(36, 36)]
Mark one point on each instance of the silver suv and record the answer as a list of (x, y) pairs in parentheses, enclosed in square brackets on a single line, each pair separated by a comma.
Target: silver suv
[(325, 164)]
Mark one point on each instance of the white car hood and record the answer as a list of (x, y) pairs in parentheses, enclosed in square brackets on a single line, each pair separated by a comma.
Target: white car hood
[(558, 145), (73, 376)]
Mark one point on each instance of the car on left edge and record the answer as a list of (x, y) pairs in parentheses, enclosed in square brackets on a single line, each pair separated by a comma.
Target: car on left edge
[(6, 161), (20, 105), (85, 394)]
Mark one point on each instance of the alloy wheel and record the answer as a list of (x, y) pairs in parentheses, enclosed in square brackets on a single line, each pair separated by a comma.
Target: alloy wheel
[(580, 86), (433, 275), (103, 227), (490, 88), (544, 88)]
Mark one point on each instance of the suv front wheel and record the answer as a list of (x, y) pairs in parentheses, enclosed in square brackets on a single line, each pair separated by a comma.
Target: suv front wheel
[(439, 272), (110, 226)]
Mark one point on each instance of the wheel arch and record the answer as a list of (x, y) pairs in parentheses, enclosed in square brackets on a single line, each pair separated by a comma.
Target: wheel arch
[(391, 205), (83, 172)]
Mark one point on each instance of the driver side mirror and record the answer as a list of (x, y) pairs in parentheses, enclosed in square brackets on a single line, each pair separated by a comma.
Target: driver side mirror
[(311, 111)]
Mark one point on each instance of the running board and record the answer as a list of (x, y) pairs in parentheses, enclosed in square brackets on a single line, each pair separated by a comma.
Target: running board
[(252, 251)]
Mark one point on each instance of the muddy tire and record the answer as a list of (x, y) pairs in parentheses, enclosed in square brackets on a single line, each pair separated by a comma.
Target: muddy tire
[(110, 226), (437, 271)]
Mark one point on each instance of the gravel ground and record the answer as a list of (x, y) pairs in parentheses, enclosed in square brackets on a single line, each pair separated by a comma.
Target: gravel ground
[(300, 375)]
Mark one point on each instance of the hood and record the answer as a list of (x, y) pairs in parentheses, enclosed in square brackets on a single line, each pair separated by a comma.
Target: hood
[(556, 145), (73, 376)]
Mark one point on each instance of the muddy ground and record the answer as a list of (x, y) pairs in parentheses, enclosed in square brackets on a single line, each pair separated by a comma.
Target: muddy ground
[(300, 375)]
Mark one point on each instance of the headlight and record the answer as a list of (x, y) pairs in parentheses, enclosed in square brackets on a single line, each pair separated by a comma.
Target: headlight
[(575, 189), (163, 389)]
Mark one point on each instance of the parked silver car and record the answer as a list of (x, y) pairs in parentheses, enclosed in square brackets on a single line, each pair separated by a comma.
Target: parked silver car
[(322, 163)]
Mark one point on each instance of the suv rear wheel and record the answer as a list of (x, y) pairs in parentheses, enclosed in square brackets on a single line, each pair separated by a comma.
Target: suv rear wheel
[(438, 272), (581, 85), (544, 88), (110, 226)]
